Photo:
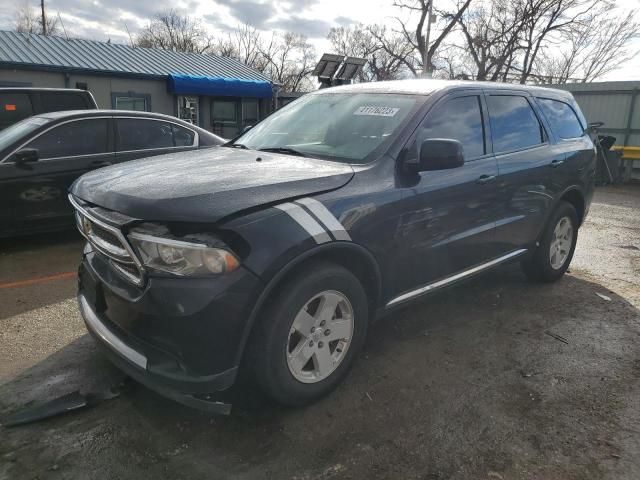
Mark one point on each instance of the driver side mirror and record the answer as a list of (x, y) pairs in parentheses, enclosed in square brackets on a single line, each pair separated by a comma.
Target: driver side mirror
[(437, 154), (26, 155)]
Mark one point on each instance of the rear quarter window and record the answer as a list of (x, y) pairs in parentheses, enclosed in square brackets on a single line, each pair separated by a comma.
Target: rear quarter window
[(14, 107), (562, 118)]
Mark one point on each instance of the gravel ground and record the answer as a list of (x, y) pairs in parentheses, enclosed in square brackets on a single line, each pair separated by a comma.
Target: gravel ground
[(494, 379)]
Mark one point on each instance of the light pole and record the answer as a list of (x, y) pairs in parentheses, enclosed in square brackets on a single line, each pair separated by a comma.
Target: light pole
[(44, 19), (426, 63)]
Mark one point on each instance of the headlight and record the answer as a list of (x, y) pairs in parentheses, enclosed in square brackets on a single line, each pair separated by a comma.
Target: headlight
[(180, 257)]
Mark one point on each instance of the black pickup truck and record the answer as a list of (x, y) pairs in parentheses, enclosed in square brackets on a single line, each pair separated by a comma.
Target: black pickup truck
[(276, 252), (18, 103)]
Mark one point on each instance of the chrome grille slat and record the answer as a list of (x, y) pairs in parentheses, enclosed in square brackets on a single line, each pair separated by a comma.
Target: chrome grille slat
[(110, 242)]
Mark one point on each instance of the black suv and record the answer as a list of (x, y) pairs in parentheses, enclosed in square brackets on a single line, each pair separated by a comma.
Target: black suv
[(18, 103), (277, 252)]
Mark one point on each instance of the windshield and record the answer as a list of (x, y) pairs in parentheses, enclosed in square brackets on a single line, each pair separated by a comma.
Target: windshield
[(18, 130), (337, 126)]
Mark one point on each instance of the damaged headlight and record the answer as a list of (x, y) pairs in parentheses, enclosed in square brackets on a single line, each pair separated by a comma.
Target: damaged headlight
[(181, 257)]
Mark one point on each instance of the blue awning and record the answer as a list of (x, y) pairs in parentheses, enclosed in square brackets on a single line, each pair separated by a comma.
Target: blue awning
[(227, 87)]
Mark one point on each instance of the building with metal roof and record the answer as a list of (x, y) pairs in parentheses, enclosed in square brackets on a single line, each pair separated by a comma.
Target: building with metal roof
[(216, 93)]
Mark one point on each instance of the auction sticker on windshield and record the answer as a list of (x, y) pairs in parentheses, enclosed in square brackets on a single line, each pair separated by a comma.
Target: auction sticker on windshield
[(377, 111)]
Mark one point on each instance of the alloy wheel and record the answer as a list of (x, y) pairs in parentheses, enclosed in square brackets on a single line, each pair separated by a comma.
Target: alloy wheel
[(320, 336), (561, 243)]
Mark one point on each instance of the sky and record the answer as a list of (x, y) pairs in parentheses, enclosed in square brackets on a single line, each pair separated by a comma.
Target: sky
[(113, 19)]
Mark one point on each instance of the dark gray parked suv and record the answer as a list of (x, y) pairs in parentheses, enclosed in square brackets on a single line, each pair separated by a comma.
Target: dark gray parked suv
[(277, 252), (41, 156)]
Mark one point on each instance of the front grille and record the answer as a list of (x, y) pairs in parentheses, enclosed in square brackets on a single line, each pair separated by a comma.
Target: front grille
[(109, 241)]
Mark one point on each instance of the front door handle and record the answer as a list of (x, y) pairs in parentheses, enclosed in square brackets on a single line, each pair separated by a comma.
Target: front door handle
[(556, 163), (484, 179)]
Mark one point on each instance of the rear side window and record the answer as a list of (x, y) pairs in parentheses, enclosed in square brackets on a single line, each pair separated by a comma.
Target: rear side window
[(514, 124), (458, 119), (61, 101), (14, 107), (562, 117), (141, 134), (81, 137)]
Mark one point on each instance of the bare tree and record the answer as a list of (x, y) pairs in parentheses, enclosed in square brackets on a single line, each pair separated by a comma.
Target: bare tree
[(386, 52), (536, 40), (243, 44), (590, 49), (419, 10), (492, 32), (28, 19), (289, 60), (169, 30)]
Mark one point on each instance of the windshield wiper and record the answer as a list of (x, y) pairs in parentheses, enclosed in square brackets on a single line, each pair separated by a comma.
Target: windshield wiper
[(290, 151), (236, 145)]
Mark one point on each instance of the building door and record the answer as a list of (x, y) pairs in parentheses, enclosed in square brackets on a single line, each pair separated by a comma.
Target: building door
[(188, 109), (230, 116), (225, 116)]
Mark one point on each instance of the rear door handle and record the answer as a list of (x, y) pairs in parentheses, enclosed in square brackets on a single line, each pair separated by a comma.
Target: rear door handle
[(556, 163), (483, 179)]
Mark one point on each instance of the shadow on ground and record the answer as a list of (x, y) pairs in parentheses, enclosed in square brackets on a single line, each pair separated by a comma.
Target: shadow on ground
[(472, 383)]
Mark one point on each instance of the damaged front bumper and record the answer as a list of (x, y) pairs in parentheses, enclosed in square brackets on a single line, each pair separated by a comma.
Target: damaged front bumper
[(134, 364)]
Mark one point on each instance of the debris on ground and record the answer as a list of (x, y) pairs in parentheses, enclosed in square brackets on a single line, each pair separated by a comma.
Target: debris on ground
[(69, 402), (557, 337), (604, 297)]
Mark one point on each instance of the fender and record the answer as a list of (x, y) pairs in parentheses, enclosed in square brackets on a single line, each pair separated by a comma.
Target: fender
[(576, 188), (354, 248)]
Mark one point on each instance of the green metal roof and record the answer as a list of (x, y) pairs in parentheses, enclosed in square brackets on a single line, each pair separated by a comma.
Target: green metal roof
[(24, 50)]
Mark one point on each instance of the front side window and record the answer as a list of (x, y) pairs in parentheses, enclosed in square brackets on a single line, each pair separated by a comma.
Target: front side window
[(562, 117), (80, 137), (18, 131), (458, 119), (337, 126), (142, 134), (514, 124)]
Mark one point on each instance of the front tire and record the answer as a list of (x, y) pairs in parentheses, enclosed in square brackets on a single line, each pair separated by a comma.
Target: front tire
[(309, 334), (557, 245)]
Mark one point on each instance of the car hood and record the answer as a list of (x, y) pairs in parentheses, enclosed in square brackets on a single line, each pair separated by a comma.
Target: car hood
[(207, 185)]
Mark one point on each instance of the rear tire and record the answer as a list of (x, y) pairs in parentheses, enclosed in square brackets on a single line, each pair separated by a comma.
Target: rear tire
[(557, 245), (309, 334)]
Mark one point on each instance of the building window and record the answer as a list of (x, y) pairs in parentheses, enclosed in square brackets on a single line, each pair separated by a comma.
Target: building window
[(140, 102), (249, 112), (188, 109), (224, 117)]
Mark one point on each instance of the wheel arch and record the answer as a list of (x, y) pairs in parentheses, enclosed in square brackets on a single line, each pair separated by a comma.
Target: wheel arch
[(576, 198), (357, 259)]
